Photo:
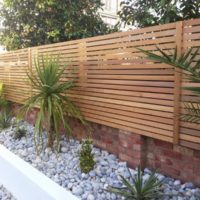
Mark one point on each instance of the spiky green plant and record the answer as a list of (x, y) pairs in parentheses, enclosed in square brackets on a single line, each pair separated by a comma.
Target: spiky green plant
[(4, 104), (52, 99), (5, 119), (139, 189), (5, 110), (188, 62), (19, 133)]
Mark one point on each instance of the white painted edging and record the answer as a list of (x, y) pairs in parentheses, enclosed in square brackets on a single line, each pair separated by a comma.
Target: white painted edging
[(27, 183)]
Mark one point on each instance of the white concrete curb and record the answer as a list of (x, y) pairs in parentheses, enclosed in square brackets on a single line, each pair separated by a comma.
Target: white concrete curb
[(27, 183)]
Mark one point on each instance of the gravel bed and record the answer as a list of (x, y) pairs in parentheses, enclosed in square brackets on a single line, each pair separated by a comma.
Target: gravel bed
[(4, 194), (63, 168)]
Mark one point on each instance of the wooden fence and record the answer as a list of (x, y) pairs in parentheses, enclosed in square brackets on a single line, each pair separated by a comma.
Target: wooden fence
[(116, 85)]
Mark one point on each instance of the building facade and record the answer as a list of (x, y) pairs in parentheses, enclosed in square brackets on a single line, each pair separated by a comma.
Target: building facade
[(110, 16), (109, 12), (2, 48)]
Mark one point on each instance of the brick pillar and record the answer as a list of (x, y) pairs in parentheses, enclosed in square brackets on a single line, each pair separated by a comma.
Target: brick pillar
[(132, 148)]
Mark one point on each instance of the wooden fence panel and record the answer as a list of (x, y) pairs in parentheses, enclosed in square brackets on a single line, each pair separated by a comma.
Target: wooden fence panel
[(13, 68), (190, 132), (115, 84)]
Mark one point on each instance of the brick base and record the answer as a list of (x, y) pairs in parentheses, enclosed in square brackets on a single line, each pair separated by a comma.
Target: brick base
[(172, 160)]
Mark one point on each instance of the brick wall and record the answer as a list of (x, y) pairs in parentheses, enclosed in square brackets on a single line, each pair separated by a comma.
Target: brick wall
[(173, 160)]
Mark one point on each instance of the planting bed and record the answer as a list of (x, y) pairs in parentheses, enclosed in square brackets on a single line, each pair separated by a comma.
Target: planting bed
[(4, 194), (63, 168)]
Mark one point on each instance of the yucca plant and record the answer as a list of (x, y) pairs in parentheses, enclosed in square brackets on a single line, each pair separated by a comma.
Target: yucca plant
[(19, 133), (4, 104), (5, 119), (2, 90), (136, 188), (5, 110), (188, 62), (52, 99)]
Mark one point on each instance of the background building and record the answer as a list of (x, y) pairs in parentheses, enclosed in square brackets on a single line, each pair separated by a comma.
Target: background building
[(1, 29), (109, 12)]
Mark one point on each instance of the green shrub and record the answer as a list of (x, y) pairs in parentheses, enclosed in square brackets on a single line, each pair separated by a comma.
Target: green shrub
[(4, 104), (19, 133), (138, 188), (5, 110), (86, 156), (5, 119), (2, 91)]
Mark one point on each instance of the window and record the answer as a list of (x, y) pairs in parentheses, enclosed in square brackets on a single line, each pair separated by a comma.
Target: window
[(110, 5)]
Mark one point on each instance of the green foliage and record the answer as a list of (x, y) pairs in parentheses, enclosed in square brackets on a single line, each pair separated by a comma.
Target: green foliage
[(144, 13), (5, 111), (52, 98), (5, 119), (1, 89), (188, 62), (4, 104), (139, 189), (19, 133), (86, 157), (33, 22)]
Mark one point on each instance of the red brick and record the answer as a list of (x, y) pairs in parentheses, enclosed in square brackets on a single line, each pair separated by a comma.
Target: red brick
[(125, 143), (137, 147), (197, 171), (136, 154), (168, 161), (157, 165), (107, 140), (150, 155), (171, 171), (131, 162), (150, 164), (172, 154), (183, 150), (124, 157), (162, 144), (197, 154)]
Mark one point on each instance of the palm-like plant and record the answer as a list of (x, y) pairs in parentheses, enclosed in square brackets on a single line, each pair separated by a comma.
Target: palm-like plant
[(5, 111), (188, 62), (51, 98), (138, 188), (4, 104), (5, 119)]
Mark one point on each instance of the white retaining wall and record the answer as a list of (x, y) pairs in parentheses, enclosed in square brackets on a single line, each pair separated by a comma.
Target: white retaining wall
[(27, 183)]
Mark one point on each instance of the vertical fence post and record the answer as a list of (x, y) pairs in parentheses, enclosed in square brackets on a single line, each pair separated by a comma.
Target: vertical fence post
[(177, 83), (82, 60), (30, 68)]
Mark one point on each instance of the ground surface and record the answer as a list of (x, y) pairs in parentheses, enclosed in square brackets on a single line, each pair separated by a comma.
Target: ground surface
[(64, 169), (4, 194)]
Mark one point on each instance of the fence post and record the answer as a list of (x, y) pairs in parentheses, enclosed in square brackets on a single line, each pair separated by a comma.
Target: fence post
[(177, 83), (30, 68), (82, 60)]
